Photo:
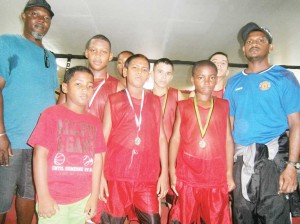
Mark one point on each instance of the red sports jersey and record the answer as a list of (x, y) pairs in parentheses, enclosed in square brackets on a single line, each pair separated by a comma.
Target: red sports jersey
[(170, 111), (124, 159), (202, 166), (98, 103)]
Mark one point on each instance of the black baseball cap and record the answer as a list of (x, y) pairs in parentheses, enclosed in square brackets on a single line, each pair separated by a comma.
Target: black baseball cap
[(39, 3), (250, 27)]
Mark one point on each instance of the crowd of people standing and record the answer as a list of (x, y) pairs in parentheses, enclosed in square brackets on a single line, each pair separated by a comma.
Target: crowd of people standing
[(110, 151)]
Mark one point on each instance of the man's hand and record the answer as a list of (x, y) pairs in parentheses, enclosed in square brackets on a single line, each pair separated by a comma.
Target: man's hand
[(5, 150), (288, 180)]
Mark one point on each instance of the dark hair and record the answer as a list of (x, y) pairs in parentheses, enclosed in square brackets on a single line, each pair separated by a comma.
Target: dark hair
[(219, 52), (204, 63), (134, 57), (165, 61), (71, 71), (123, 52), (98, 37)]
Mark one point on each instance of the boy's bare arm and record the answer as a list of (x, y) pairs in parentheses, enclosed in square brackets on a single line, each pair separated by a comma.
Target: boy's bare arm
[(47, 206), (231, 122), (229, 156), (163, 182), (106, 132), (91, 206), (173, 150)]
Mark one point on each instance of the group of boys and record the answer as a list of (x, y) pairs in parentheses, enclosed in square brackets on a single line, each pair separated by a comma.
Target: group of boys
[(119, 142)]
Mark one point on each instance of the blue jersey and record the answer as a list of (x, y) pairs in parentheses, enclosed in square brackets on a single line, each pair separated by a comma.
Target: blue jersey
[(29, 86), (260, 104)]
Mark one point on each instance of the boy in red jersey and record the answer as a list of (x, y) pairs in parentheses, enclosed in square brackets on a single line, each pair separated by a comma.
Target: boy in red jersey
[(220, 59), (121, 59), (163, 74), (136, 165), (98, 52), (200, 175), (67, 160)]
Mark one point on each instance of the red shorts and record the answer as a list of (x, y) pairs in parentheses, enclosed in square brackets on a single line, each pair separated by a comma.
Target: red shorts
[(210, 204), (124, 197)]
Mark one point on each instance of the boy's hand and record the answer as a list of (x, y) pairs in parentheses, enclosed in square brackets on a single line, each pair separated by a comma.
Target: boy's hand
[(5, 150), (47, 207), (103, 190), (162, 186), (173, 180), (91, 207), (230, 184)]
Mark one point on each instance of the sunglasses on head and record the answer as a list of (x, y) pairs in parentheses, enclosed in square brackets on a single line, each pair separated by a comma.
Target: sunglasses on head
[(46, 59)]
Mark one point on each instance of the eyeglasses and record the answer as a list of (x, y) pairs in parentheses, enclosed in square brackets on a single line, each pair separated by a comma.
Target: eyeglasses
[(46, 59)]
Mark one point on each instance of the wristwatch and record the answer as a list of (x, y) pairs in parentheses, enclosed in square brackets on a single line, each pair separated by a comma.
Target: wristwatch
[(295, 164)]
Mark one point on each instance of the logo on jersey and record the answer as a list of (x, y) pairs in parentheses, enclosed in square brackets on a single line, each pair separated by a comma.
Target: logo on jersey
[(59, 159), (265, 85), (87, 161), (238, 89)]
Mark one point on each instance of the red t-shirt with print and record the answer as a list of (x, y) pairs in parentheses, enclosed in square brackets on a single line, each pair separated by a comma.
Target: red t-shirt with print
[(72, 140)]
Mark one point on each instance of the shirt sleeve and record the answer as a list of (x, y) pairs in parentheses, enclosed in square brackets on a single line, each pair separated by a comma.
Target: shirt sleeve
[(4, 58), (228, 96), (43, 133), (290, 95)]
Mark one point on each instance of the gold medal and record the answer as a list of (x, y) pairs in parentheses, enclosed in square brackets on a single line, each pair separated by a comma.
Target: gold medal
[(202, 144), (137, 141), (165, 103)]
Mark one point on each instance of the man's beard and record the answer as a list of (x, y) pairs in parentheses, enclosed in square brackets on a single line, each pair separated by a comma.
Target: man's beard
[(37, 36)]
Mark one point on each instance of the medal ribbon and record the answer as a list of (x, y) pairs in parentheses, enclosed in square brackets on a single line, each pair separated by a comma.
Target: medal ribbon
[(203, 131), (165, 103), (97, 90), (138, 121)]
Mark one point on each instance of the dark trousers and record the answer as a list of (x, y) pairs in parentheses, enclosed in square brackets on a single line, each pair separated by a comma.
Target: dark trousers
[(265, 205)]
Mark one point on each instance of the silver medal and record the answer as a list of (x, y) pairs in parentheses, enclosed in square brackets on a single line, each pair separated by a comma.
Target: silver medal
[(202, 144), (137, 141)]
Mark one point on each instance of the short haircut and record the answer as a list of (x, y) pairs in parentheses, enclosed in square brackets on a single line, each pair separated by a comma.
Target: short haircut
[(98, 37), (203, 63), (123, 52), (134, 57), (219, 52), (165, 61), (71, 71)]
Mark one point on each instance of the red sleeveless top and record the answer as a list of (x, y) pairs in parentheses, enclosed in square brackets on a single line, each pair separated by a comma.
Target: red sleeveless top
[(170, 111), (98, 104), (124, 159), (205, 167)]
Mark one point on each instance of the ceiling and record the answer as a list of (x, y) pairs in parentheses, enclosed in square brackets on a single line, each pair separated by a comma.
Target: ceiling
[(185, 30)]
